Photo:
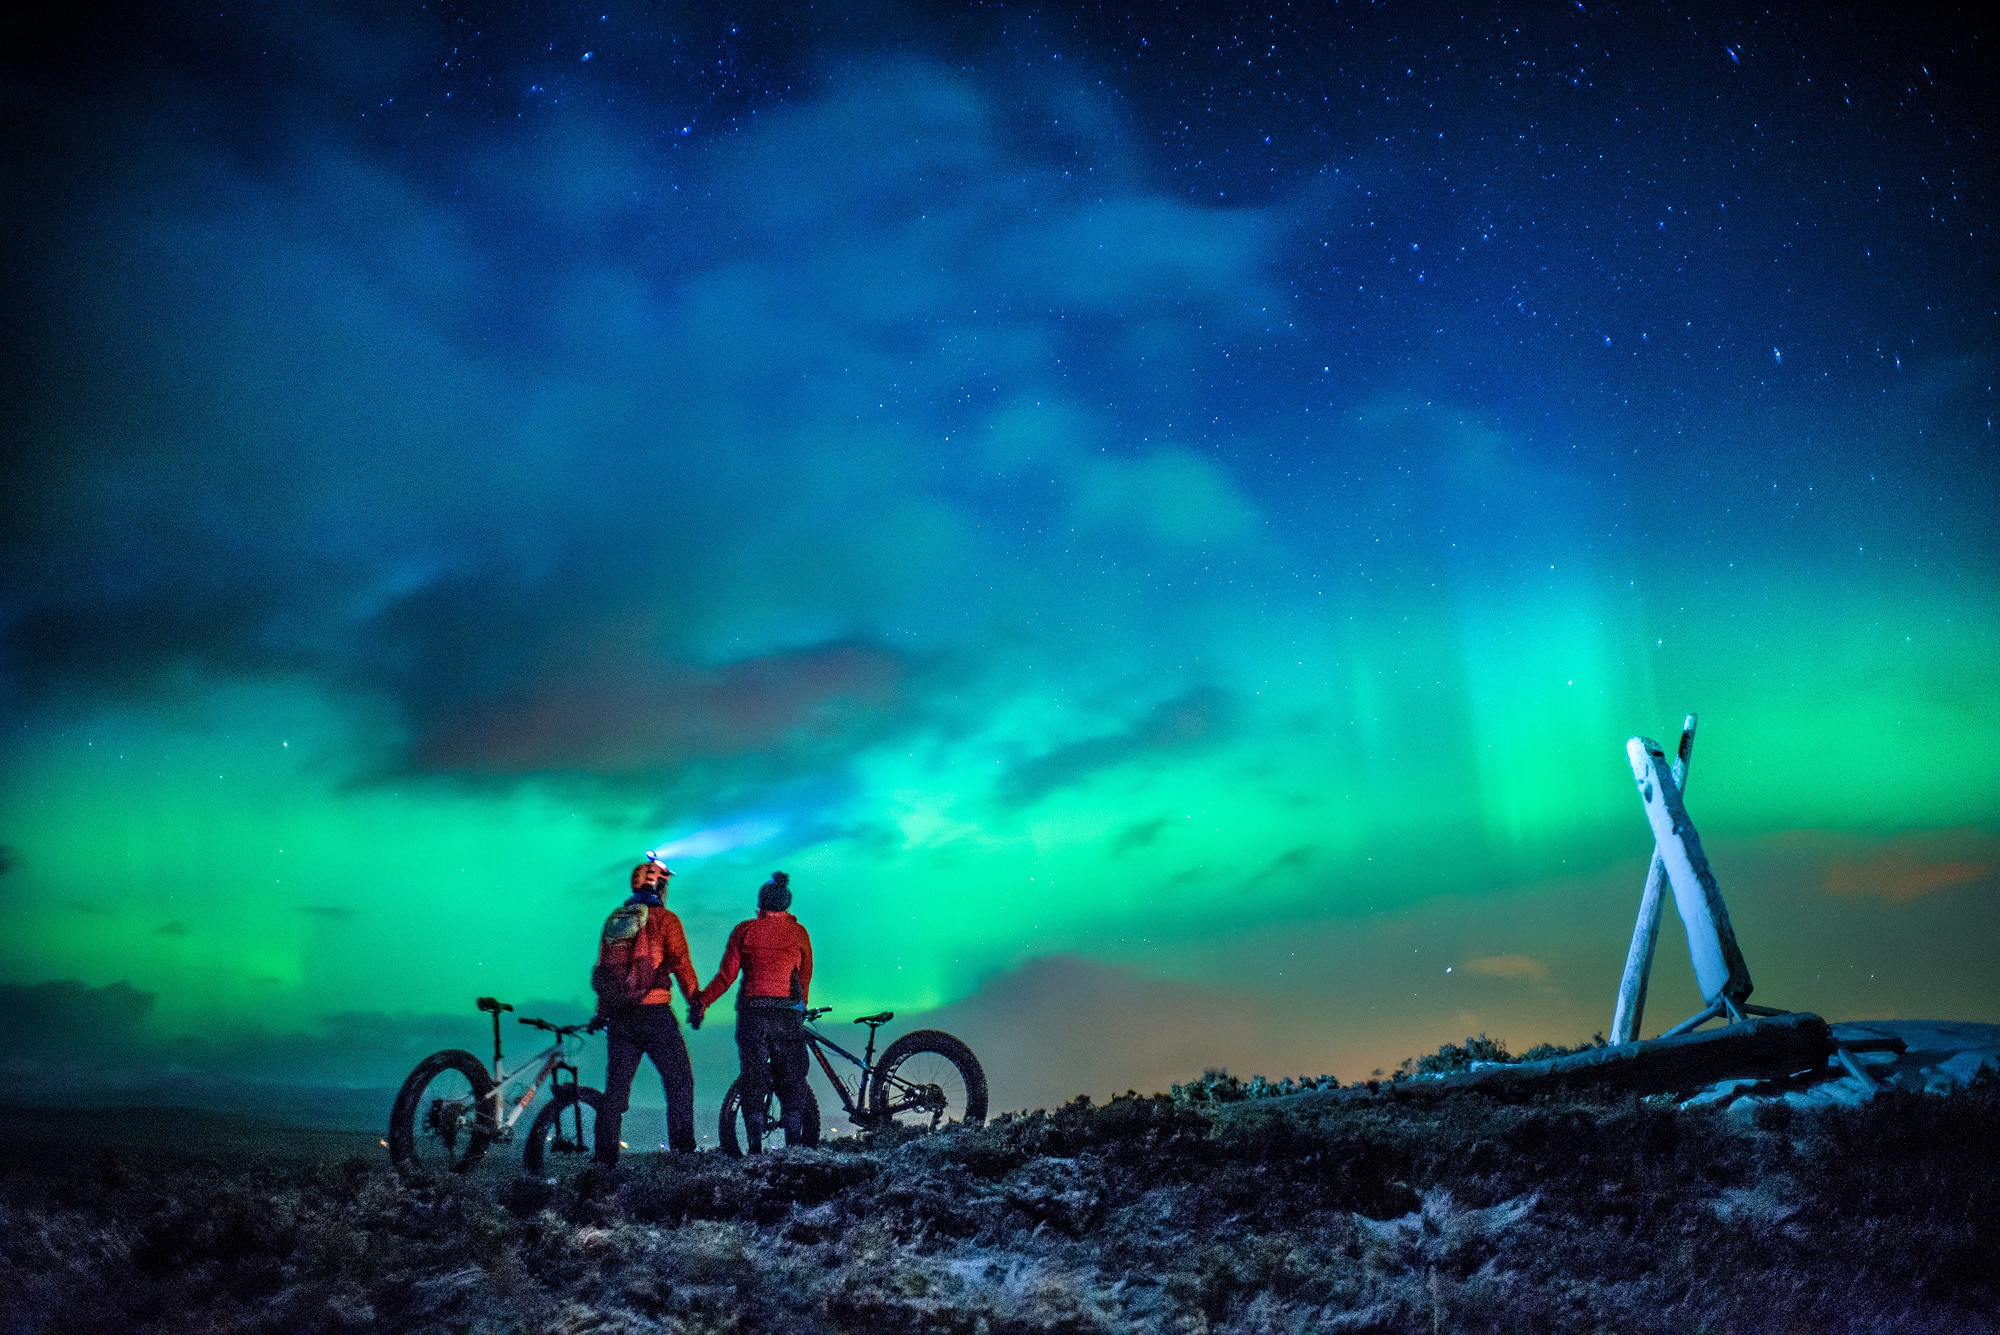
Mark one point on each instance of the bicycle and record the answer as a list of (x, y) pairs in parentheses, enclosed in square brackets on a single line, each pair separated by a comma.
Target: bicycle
[(925, 1079), (451, 1109)]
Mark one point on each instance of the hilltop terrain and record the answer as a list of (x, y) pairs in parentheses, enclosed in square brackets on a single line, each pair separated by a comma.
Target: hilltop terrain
[(1206, 1210)]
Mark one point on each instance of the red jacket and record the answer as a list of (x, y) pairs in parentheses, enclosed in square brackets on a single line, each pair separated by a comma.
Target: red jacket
[(773, 953), (670, 957)]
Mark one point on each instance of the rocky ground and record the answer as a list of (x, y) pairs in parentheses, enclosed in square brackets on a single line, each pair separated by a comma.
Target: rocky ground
[(1208, 1210), (1934, 1057)]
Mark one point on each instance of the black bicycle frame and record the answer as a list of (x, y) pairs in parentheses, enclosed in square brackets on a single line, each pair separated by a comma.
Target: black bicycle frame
[(817, 1041)]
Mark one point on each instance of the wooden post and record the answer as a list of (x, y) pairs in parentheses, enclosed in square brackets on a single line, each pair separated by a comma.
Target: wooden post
[(1631, 1010), (1718, 963)]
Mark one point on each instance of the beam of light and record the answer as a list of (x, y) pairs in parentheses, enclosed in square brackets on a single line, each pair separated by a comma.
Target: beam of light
[(746, 832)]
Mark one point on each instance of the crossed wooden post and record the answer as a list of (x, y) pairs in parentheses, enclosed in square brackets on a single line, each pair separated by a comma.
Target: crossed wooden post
[(1679, 862)]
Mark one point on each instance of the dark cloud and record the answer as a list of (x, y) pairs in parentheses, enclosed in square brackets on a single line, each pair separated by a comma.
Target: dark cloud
[(1291, 862), (580, 449), (116, 640), (74, 1045), (70, 1018), (1186, 723), (1908, 870), (636, 717), (1137, 835)]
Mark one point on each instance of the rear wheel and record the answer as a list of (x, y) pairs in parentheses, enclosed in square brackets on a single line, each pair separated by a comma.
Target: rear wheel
[(442, 1120), (731, 1131), (926, 1079), (564, 1134)]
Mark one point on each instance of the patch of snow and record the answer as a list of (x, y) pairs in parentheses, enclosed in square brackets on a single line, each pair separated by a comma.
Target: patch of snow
[(1966, 1066), (1720, 1091), (1846, 1092)]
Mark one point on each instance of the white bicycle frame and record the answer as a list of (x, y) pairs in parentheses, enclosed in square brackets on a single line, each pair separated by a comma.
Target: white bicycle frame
[(506, 1110)]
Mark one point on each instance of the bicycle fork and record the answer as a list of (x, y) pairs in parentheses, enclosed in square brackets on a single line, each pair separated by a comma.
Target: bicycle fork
[(575, 1145)]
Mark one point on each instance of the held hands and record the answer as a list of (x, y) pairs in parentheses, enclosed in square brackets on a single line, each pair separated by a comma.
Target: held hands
[(695, 1013)]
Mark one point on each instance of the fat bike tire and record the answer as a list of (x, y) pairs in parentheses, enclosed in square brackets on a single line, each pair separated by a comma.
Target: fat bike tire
[(452, 1129), (730, 1130), (921, 1060), (554, 1119)]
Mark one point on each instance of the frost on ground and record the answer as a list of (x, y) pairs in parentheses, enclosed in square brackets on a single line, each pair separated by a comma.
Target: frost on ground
[(1282, 1214)]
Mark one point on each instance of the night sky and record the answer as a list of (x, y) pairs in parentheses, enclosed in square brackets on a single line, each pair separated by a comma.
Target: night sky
[(1161, 524)]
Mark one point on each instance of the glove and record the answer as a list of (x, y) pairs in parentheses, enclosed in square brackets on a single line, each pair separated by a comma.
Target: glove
[(695, 1011), (596, 1023)]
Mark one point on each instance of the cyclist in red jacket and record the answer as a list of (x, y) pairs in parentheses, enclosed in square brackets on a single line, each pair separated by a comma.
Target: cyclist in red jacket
[(775, 957), (644, 951)]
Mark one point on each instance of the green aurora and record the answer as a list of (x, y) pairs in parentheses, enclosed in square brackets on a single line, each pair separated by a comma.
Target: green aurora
[(1144, 648)]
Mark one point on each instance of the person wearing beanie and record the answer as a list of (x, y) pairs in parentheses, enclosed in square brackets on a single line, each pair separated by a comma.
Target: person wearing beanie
[(774, 955)]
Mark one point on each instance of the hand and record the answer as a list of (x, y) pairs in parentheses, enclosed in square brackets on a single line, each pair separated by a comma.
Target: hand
[(695, 1013)]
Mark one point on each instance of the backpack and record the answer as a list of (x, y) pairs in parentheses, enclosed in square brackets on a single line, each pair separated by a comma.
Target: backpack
[(625, 958)]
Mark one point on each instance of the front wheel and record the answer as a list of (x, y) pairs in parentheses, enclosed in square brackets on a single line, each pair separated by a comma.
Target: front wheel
[(925, 1079), (442, 1120), (734, 1136), (566, 1128)]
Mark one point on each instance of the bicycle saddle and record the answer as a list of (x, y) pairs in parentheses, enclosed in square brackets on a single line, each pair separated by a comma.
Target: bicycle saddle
[(883, 1018)]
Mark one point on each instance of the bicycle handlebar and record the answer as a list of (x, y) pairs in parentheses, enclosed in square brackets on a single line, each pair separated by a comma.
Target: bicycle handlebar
[(561, 1030), (818, 1011)]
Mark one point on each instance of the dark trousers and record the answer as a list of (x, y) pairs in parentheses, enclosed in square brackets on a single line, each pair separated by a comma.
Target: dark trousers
[(771, 1045), (646, 1031)]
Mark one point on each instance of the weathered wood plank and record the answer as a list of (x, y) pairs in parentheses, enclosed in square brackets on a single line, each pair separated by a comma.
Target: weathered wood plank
[(1630, 1012), (1718, 963), (1763, 1048), (1853, 1068)]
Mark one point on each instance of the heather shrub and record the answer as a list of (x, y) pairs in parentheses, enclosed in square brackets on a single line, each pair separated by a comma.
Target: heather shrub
[(1328, 1210), (1485, 1051), (1218, 1086)]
